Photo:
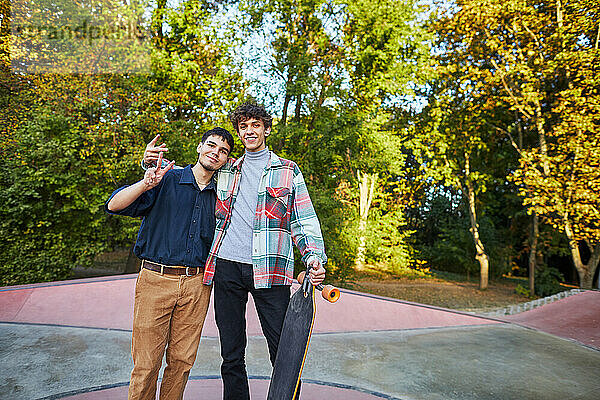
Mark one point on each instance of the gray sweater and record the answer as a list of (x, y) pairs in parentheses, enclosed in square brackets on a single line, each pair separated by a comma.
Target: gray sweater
[(237, 243)]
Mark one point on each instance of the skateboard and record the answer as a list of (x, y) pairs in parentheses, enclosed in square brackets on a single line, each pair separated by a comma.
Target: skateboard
[(295, 337)]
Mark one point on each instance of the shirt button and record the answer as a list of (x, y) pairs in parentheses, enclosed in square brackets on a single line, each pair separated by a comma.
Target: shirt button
[(188, 250), (194, 221), (191, 235)]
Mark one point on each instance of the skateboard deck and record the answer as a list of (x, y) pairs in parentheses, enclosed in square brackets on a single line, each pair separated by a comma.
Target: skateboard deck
[(295, 338)]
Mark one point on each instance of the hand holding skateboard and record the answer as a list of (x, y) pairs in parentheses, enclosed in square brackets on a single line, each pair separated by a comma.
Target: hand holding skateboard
[(316, 270), (328, 292)]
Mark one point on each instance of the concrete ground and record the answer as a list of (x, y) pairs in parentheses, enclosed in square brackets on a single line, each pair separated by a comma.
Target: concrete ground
[(72, 340)]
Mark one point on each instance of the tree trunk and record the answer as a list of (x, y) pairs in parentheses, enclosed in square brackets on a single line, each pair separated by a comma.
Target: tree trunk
[(298, 107), (157, 23), (535, 227), (320, 101), (585, 271), (593, 263), (480, 254), (539, 123), (286, 101), (366, 185), (533, 252), (362, 245)]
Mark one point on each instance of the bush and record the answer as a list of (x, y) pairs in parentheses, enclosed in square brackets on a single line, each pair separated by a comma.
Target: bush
[(520, 290), (547, 282), (51, 202)]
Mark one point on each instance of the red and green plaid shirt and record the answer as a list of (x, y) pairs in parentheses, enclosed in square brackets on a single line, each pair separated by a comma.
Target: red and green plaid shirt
[(284, 214)]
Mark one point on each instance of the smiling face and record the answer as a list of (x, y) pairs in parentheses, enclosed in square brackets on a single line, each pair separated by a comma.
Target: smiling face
[(253, 134), (213, 152)]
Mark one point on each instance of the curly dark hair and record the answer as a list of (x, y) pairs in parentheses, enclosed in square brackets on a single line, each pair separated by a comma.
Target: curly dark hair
[(247, 111)]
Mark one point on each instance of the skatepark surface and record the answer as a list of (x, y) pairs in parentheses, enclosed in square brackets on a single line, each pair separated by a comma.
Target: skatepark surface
[(71, 340)]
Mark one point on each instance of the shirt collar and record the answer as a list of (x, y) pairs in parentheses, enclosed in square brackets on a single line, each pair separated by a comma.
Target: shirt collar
[(273, 160), (212, 184), (187, 178), (237, 164)]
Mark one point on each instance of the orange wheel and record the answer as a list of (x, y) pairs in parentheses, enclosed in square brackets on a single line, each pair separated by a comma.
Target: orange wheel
[(330, 293), (300, 277)]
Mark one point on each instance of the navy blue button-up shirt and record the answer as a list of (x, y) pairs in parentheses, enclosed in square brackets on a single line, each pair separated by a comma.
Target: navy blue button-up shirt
[(179, 220)]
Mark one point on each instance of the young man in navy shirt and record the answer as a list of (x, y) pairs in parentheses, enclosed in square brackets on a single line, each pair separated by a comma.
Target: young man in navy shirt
[(171, 301)]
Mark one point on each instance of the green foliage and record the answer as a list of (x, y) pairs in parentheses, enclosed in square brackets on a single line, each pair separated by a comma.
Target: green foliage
[(68, 141), (341, 79), (453, 250), (51, 203), (444, 241), (522, 291), (384, 50), (388, 241), (548, 281)]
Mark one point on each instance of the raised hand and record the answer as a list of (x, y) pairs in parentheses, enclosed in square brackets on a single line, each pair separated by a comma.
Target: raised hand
[(153, 150), (153, 176)]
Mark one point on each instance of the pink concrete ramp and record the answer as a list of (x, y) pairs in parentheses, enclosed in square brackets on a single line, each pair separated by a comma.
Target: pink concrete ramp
[(575, 317), (108, 303), (385, 339)]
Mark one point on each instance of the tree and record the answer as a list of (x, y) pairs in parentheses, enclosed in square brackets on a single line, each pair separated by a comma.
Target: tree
[(540, 55), (530, 55), (384, 55), (344, 68), (456, 139), (452, 144), (74, 138), (512, 55)]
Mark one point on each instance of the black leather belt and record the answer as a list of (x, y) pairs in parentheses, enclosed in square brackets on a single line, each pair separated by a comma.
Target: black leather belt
[(172, 270)]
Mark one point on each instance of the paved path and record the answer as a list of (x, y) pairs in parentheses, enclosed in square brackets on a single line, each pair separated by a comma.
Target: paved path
[(575, 317), (71, 340)]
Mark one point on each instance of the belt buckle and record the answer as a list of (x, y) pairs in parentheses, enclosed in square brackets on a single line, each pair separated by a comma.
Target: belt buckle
[(187, 271)]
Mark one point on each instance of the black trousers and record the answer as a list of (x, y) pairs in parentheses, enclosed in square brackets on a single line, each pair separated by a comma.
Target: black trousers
[(232, 283)]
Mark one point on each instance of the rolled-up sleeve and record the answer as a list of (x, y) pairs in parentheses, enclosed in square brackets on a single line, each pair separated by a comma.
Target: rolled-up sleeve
[(140, 207)]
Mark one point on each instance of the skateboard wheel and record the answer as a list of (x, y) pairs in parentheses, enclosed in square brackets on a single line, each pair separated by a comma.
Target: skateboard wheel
[(330, 293), (300, 277)]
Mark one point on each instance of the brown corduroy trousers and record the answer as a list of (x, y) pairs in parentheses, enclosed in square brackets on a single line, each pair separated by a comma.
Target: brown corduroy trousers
[(169, 311)]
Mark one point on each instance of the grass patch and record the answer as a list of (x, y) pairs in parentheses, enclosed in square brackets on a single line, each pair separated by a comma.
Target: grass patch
[(441, 289)]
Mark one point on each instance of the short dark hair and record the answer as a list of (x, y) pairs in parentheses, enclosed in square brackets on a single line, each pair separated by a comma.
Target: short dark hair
[(223, 133), (247, 111)]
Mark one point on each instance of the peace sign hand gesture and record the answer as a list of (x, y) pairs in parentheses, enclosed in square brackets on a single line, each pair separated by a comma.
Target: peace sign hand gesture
[(153, 176), (153, 151)]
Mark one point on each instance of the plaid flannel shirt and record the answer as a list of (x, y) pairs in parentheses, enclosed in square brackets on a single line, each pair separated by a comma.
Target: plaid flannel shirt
[(284, 214)]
